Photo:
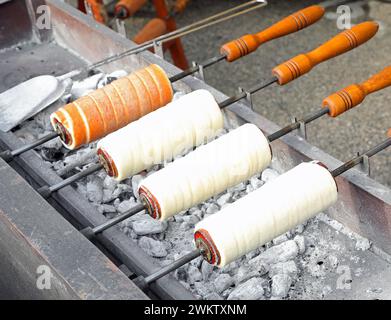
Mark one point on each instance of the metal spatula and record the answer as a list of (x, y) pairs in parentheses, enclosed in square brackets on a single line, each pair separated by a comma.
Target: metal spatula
[(17, 106)]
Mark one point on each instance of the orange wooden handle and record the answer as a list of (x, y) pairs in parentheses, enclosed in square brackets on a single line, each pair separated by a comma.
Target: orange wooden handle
[(389, 133), (153, 29), (353, 95), (250, 42), (129, 7), (180, 5), (343, 42)]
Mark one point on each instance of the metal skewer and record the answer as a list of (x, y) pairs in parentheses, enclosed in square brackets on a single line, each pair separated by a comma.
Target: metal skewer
[(199, 25), (289, 128), (92, 232), (8, 155), (357, 160), (143, 282), (46, 191)]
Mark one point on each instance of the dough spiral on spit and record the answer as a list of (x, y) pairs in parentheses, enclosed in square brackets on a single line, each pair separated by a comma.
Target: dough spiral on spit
[(206, 172), (266, 213), (161, 135), (107, 109)]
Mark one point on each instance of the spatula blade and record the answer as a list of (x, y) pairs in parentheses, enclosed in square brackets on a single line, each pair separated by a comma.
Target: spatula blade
[(27, 99)]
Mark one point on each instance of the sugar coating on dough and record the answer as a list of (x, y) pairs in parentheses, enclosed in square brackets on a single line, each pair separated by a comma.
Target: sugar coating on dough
[(109, 108), (209, 170), (271, 210), (163, 134)]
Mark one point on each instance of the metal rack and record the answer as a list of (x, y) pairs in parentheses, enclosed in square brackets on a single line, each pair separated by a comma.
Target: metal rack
[(368, 211)]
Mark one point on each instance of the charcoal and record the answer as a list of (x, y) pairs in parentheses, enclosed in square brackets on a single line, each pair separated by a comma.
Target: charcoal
[(281, 284), (95, 190), (193, 275), (301, 243), (206, 270), (224, 199), (148, 226), (250, 290), (283, 252), (223, 282), (269, 175), (126, 205), (153, 247), (289, 268)]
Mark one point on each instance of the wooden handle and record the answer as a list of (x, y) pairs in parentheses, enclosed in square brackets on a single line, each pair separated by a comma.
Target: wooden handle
[(129, 7), (389, 133), (343, 42), (250, 42), (353, 95)]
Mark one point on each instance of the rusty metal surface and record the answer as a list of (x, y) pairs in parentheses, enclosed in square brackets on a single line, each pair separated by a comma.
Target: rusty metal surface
[(33, 234)]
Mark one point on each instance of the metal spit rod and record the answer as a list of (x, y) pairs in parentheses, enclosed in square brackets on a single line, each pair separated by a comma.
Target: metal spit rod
[(7, 155), (91, 232), (199, 25), (289, 128), (143, 282), (46, 191), (357, 160)]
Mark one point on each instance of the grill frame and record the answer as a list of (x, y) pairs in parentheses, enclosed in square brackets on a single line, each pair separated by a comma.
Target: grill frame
[(363, 206)]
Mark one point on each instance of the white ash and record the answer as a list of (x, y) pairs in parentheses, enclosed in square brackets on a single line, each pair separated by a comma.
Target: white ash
[(148, 226), (223, 282), (87, 85), (213, 296), (96, 81), (125, 205), (136, 180), (301, 243), (362, 244), (154, 248), (95, 189), (280, 239), (281, 284), (193, 274), (280, 253), (250, 290), (206, 270), (289, 268), (269, 175), (108, 78)]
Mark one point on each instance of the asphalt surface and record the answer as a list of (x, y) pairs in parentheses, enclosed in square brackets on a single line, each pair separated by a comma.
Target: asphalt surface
[(355, 131)]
